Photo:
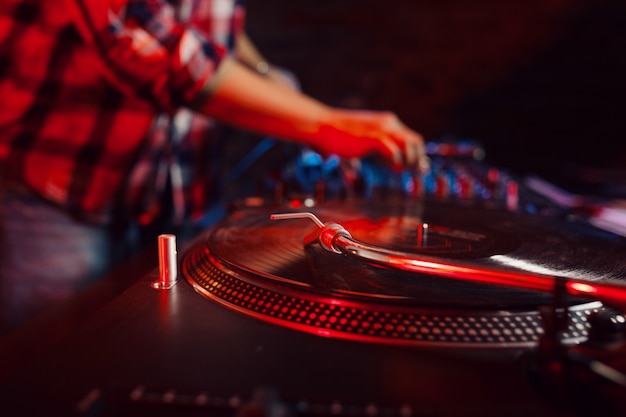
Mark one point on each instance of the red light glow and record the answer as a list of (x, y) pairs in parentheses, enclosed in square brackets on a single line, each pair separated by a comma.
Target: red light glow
[(582, 288)]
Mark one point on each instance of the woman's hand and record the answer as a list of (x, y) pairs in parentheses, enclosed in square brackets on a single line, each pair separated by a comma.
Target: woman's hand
[(357, 133)]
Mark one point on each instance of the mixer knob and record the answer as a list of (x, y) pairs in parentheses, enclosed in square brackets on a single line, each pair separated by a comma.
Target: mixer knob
[(465, 186), (493, 178), (512, 195), (415, 186), (429, 183), (442, 186)]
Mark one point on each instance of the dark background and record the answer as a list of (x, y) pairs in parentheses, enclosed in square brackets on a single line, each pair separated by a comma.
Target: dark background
[(540, 83)]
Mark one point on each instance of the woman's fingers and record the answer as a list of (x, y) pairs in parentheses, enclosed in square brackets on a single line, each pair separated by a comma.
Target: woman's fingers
[(409, 143), (355, 133)]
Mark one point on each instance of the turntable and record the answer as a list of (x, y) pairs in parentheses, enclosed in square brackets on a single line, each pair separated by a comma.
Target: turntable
[(457, 294), (411, 272)]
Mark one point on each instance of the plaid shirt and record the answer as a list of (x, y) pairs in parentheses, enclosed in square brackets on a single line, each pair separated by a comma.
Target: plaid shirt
[(90, 116)]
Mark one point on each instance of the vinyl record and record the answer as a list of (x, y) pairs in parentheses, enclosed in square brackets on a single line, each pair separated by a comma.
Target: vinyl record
[(248, 256)]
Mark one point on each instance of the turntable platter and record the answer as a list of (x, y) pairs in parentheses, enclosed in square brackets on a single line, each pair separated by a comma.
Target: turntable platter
[(268, 270)]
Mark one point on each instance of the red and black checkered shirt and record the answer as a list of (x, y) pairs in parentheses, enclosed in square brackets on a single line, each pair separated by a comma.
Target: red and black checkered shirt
[(89, 91)]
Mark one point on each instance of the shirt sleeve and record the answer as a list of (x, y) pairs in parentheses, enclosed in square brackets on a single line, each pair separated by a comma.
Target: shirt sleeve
[(146, 49)]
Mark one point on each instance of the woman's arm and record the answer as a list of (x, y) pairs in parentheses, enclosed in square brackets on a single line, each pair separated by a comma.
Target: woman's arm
[(240, 97)]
